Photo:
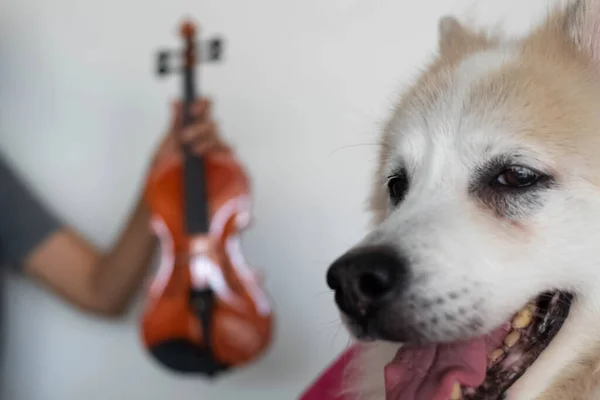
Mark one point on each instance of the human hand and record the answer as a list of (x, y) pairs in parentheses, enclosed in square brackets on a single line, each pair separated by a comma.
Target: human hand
[(201, 137)]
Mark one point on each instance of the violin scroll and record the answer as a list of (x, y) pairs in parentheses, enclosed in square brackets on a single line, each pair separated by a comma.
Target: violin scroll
[(188, 30), (210, 50)]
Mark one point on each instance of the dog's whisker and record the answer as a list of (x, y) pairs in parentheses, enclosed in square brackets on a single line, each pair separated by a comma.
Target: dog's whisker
[(555, 318), (357, 145), (348, 344), (335, 324), (550, 295), (337, 320), (331, 326), (335, 333), (322, 293)]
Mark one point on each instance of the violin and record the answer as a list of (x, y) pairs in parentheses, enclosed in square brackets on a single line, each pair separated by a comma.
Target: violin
[(206, 312)]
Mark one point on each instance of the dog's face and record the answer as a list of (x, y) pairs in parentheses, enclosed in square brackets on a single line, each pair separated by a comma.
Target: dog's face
[(487, 189)]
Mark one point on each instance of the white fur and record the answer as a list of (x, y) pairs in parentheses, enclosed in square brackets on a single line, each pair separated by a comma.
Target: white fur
[(453, 242), (442, 146)]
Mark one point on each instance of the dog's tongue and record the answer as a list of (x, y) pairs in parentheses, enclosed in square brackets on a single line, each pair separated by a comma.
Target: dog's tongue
[(429, 373)]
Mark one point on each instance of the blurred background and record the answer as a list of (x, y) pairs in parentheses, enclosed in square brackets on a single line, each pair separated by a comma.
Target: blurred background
[(302, 95)]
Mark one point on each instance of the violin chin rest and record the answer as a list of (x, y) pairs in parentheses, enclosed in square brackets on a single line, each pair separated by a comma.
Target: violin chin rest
[(181, 356)]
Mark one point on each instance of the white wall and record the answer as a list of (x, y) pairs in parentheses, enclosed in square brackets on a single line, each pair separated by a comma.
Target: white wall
[(302, 95)]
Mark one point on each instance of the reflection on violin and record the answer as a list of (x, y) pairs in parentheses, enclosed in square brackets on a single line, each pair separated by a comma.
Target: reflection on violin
[(206, 311)]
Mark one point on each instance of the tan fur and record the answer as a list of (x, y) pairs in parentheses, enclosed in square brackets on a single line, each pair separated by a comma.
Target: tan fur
[(456, 43), (553, 90), (566, 104), (578, 382)]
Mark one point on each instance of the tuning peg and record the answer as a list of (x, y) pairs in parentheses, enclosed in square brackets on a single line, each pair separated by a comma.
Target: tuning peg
[(163, 63), (215, 49), (211, 50)]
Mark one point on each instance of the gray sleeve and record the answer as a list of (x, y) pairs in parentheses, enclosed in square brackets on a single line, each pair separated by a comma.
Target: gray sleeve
[(24, 221)]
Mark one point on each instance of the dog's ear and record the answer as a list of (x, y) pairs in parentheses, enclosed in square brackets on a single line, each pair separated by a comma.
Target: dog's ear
[(451, 34), (582, 20), (454, 37)]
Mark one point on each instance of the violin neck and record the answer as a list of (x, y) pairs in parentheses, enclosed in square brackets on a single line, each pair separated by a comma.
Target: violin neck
[(189, 94), (195, 193)]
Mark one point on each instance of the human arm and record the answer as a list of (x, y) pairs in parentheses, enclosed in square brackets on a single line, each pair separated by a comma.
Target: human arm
[(97, 282), (60, 259)]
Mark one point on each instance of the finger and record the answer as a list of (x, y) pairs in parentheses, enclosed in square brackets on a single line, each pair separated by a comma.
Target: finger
[(215, 144), (203, 147), (201, 109), (222, 147), (176, 115), (199, 132)]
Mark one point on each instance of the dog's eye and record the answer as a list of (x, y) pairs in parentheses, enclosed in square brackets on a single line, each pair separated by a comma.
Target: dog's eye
[(397, 187), (517, 177)]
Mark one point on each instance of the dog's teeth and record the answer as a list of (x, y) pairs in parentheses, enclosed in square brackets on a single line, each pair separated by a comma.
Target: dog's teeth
[(496, 355), (523, 319), (512, 338), (456, 392)]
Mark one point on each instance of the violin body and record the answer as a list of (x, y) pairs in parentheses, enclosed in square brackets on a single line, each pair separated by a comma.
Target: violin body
[(206, 310)]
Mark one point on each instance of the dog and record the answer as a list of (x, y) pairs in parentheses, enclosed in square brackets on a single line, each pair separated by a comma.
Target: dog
[(481, 276)]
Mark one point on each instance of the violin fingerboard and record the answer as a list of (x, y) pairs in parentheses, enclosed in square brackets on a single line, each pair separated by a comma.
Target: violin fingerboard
[(195, 196)]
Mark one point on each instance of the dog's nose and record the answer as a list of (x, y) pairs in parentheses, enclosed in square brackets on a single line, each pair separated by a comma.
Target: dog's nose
[(363, 278)]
